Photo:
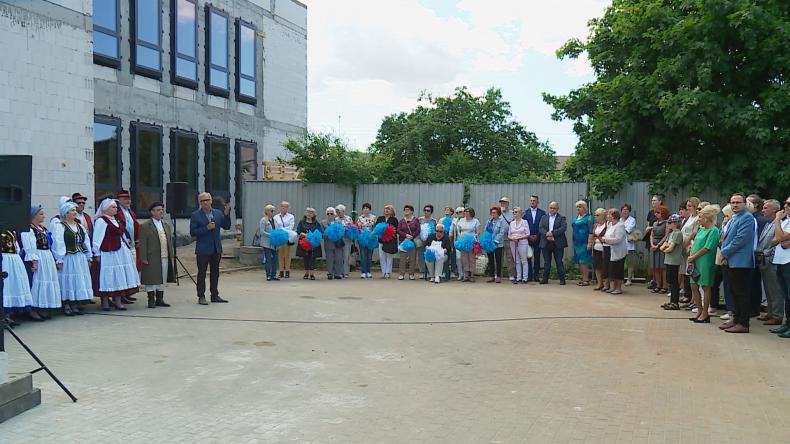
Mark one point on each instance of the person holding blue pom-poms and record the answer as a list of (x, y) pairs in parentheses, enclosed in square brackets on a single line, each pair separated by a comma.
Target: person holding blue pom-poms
[(333, 245), (388, 239), (345, 220), (427, 228), (436, 268), (305, 249), (265, 227), (408, 229), (468, 227), (366, 221), (498, 229)]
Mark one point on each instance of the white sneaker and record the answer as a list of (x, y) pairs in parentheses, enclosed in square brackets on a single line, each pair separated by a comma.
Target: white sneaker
[(400, 277), (695, 310), (460, 278), (725, 317), (628, 283), (437, 279)]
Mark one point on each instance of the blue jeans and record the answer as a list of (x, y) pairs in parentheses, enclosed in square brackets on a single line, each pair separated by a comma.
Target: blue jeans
[(270, 262), (365, 259)]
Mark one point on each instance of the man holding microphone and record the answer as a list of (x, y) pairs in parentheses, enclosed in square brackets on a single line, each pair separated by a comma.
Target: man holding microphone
[(204, 226)]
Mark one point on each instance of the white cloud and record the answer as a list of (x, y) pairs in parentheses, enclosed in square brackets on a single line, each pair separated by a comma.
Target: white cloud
[(368, 59)]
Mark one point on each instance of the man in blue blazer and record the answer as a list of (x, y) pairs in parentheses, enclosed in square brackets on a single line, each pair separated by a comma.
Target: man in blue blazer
[(533, 215), (204, 226), (553, 241), (737, 248)]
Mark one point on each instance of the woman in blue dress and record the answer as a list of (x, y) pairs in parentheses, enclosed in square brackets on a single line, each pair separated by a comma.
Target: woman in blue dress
[(582, 246)]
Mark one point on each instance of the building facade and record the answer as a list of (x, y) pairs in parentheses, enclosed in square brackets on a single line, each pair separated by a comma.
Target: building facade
[(145, 92)]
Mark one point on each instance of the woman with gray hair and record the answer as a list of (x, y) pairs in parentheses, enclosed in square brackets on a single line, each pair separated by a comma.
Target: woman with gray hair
[(334, 253), (305, 226), (265, 227), (346, 220)]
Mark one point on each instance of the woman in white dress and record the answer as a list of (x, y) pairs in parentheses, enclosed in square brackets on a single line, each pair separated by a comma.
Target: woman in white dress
[(117, 270), (16, 290), (72, 251), (37, 244)]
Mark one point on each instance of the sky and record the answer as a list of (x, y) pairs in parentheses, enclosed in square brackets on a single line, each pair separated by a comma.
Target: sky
[(371, 58)]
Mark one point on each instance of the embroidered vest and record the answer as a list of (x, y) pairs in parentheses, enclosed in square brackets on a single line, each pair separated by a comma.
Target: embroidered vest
[(74, 239), (112, 236), (42, 237), (8, 242)]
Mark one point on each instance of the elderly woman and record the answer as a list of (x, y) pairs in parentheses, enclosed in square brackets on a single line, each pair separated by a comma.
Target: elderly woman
[(441, 240), (689, 229), (307, 225), (519, 245), (37, 244), (782, 261), (366, 221), (600, 265), (72, 251), (270, 253), (702, 259), (408, 229), (459, 266), (285, 221), (117, 269), (498, 228), (616, 238), (658, 235), (333, 249), (728, 300), (346, 220), (16, 291), (629, 222), (425, 220), (390, 247), (673, 258), (468, 226), (582, 255)]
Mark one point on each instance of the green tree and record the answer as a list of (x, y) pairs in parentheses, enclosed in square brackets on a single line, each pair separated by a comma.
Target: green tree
[(325, 158), (460, 138), (688, 93)]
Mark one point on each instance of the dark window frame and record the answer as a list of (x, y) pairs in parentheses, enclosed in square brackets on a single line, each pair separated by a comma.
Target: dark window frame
[(213, 90), (175, 134), (207, 141), (102, 59), (111, 188), (175, 55), (134, 129), (239, 181), (239, 76), (139, 69)]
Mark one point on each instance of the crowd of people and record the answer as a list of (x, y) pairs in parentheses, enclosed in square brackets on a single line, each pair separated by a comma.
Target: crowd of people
[(693, 256)]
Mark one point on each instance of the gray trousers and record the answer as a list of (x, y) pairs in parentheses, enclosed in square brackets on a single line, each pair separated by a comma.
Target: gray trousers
[(773, 291), (509, 262), (420, 252), (347, 256), (334, 261)]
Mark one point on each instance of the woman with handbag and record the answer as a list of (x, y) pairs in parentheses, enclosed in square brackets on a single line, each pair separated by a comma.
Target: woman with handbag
[(600, 266), (702, 261), (498, 229), (634, 235), (408, 229), (468, 226), (519, 245), (616, 240), (427, 226), (366, 221), (270, 253), (387, 248), (306, 225)]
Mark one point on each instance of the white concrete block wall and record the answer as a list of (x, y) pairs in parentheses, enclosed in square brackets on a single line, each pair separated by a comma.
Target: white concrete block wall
[(46, 97), (285, 74)]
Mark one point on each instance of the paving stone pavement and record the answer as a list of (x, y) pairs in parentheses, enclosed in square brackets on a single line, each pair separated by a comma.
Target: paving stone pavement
[(378, 361)]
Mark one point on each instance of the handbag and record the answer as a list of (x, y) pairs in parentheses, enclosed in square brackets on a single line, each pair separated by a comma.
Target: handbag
[(530, 252), (635, 235), (481, 263), (256, 240)]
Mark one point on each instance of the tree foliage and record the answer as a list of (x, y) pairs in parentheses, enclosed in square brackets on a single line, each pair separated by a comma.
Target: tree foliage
[(688, 93), (461, 138), (325, 158)]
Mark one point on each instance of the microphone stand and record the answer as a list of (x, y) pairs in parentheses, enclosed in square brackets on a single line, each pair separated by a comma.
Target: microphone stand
[(177, 261)]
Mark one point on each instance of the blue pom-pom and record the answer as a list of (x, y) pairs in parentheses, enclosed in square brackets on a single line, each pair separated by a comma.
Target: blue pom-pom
[(335, 231), (430, 255), (314, 237), (487, 242), (278, 237), (368, 240), (465, 243), (407, 245), (352, 232), (379, 229), (447, 221)]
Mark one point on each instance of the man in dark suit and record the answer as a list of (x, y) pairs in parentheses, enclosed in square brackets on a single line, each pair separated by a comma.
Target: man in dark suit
[(533, 215), (204, 226), (553, 241)]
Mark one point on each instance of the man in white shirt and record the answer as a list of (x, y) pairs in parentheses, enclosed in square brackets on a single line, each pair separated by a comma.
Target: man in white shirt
[(782, 261), (286, 221)]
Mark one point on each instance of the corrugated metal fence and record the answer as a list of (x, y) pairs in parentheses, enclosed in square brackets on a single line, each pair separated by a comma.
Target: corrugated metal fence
[(258, 194), (417, 194)]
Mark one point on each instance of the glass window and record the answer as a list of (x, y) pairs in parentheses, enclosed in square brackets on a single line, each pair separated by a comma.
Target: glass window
[(106, 36), (146, 166), (217, 167), (185, 43), (106, 157), (217, 49), (246, 169), (184, 163), (245, 62), (147, 42)]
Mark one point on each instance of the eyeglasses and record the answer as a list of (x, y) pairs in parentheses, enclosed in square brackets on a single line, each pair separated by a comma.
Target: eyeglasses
[(205, 200)]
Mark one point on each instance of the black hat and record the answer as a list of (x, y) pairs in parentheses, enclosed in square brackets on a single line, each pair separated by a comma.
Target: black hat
[(154, 205)]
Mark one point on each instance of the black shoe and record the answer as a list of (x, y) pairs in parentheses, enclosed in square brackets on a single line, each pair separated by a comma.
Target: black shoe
[(67, 310), (287, 274), (562, 282), (127, 300), (702, 321), (151, 299), (130, 298), (160, 299), (330, 277), (202, 300), (77, 310), (218, 300), (312, 278), (90, 301), (281, 274), (544, 282), (305, 277), (338, 277)]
